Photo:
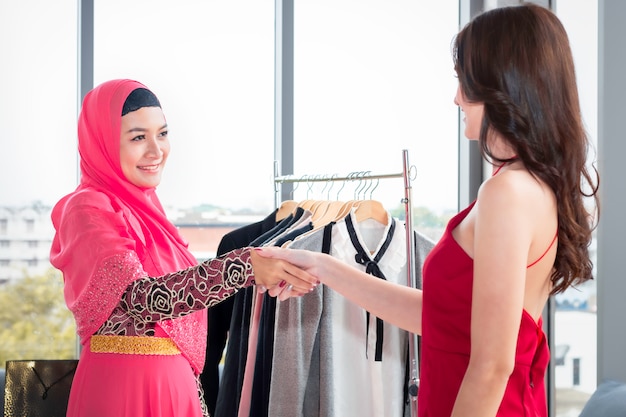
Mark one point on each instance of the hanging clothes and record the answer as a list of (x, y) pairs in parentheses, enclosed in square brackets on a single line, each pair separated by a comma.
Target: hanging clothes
[(256, 383), (232, 379), (229, 393), (319, 355), (219, 316), (325, 351)]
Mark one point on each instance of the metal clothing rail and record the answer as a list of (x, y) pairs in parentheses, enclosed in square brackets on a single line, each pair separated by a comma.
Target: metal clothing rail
[(413, 381), (354, 176)]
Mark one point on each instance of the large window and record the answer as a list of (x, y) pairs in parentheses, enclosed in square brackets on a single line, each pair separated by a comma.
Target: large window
[(37, 166), (37, 100), (211, 63), (372, 78)]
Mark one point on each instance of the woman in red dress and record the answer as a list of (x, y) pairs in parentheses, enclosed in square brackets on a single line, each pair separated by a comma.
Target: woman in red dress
[(525, 237)]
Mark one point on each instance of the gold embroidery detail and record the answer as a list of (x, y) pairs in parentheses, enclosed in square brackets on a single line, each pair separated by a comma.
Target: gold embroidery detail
[(133, 345)]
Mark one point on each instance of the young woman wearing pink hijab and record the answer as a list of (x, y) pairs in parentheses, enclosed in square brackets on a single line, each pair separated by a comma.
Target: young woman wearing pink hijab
[(137, 293)]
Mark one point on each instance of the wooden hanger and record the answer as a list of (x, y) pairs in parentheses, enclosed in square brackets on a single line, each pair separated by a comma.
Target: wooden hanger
[(307, 204), (371, 209), (319, 209), (331, 214), (286, 208), (346, 207), (319, 206)]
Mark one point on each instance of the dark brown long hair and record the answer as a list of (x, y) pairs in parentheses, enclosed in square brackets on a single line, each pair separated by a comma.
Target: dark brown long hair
[(517, 62)]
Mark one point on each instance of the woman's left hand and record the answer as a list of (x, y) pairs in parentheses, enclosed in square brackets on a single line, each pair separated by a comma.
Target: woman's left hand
[(281, 278)]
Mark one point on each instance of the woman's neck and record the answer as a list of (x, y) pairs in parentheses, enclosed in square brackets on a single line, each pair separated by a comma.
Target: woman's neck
[(498, 167)]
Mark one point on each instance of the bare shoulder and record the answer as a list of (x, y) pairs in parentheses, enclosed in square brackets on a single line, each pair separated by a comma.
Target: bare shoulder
[(516, 195), (516, 184)]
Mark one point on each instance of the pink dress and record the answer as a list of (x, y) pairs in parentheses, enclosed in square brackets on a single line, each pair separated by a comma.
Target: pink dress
[(110, 384)]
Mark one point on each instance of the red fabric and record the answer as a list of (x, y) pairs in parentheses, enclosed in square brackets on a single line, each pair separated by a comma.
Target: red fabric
[(447, 285), (107, 216)]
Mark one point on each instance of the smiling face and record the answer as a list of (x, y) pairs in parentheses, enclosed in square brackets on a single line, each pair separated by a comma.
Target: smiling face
[(144, 146), (473, 114)]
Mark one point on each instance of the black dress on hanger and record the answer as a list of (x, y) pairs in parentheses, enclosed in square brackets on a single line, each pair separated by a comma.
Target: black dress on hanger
[(221, 314), (228, 396)]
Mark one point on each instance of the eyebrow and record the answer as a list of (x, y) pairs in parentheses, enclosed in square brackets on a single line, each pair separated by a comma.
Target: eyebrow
[(141, 129)]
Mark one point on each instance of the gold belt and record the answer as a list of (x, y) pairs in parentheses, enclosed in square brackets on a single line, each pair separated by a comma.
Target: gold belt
[(133, 345)]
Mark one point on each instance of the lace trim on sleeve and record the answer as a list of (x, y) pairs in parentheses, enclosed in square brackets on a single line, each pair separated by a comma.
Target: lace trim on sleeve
[(103, 291)]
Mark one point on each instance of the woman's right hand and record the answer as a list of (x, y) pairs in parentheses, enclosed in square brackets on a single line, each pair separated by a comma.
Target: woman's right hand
[(306, 261), (279, 276), (395, 303)]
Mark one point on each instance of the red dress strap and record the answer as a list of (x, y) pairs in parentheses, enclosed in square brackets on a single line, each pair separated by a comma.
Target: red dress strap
[(546, 251)]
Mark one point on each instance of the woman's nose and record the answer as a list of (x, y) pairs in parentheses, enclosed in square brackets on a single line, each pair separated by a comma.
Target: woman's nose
[(154, 148)]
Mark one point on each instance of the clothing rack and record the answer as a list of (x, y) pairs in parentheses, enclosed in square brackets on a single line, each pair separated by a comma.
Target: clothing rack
[(413, 382)]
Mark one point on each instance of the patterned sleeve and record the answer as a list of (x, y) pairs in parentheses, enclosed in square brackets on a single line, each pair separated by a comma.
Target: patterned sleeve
[(180, 293)]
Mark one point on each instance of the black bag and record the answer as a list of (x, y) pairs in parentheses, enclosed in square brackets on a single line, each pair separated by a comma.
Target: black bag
[(38, 388)]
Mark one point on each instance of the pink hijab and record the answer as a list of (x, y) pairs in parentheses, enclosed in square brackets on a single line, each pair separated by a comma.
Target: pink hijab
[(108, 203)]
